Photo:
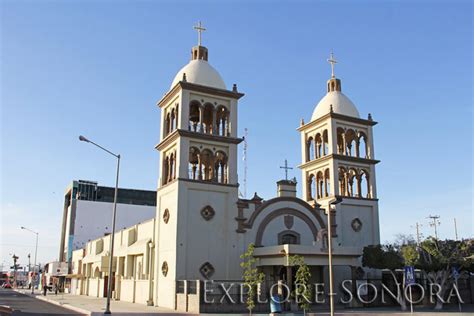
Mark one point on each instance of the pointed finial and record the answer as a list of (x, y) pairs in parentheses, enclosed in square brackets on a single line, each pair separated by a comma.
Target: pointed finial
[(331, 110), (332, 61), (370, 117), (302, 122), (234, 87), (184, 77), (199, 28)]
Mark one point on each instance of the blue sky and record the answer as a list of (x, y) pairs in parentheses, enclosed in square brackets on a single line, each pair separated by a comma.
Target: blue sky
[(97, 68)]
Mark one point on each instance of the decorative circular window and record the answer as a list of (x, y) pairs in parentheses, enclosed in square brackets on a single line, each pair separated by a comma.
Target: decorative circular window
[(164, 268), (207, 270), (208, 213), (356, 225), (166, 216)]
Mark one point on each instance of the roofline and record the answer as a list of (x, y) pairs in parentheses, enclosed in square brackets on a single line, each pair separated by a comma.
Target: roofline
[(71, 185), (199, 88), (337, 116), (170, 138)]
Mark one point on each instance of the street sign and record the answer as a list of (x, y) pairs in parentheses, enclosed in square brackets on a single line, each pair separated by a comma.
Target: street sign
[(409, 275), (409, 280), (455, 273)]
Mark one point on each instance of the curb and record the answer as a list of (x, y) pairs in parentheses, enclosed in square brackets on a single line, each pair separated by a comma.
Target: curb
[(5, 310), (66, 306)]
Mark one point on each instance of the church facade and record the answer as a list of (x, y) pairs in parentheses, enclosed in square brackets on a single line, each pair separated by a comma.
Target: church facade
[(201, 225)]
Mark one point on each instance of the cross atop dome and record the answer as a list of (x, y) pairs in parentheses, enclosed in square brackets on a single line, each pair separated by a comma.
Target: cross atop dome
[(199, 52), (333, 84), (199, 28), (332, 61)]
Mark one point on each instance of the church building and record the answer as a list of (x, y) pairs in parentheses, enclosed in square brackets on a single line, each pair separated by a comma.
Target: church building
[(201, 225)]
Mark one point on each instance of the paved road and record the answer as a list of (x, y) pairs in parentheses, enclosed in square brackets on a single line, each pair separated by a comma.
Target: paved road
[(26, 305)]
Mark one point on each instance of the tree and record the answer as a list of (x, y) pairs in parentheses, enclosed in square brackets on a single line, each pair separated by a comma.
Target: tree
[(303, 289), (437, 258), (410, 254), (385, 257), (252, 277), (403, 240)]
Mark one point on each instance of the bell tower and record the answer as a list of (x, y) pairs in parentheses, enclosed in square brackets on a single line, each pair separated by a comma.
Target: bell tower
[(338, 161), (198, 184)]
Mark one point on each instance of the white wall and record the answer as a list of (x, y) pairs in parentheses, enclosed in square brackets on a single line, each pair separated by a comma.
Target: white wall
[(94, 219), (367, 214)]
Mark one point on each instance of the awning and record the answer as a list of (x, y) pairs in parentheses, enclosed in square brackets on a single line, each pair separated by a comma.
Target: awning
[(91, 258), (138, 247), (75, 276)]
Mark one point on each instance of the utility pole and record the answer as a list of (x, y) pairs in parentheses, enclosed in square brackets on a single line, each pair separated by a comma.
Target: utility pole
[(418, 234), (36, 253), (330, 210), (435, 222), (455, 229)]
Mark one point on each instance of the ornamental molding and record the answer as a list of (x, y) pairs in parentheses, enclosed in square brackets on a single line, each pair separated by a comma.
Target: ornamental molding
[(207, 270), (356, 224), (166, 216), (164, 268), (207, 212)]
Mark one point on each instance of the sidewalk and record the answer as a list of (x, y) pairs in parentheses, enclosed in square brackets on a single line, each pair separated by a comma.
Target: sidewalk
[(95, 306)]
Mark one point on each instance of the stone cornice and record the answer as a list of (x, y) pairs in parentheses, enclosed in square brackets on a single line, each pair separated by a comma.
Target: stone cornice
[(199, 182), (355, 159), (170, 138), (356, 198), (338, 157), (202, 136), (210, 183), (337, 116), (168, 95), (198, 88)]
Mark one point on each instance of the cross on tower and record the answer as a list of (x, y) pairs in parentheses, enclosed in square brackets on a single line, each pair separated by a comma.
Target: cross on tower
[(286, 169), (199, 28), (332, 61)]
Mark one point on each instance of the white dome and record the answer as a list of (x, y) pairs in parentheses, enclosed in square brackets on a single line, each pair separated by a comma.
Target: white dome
[(340, 104), (200, 72)]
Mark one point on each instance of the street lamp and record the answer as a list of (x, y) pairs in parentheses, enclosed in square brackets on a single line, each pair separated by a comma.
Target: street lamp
[(34, 265), (114, 214), (331, 206)]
